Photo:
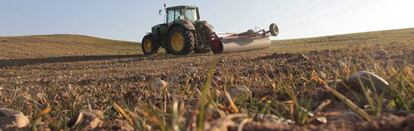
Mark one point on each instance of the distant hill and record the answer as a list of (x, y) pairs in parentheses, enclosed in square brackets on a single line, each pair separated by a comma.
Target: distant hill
[(77, 45), (62, 45), (398, 36)]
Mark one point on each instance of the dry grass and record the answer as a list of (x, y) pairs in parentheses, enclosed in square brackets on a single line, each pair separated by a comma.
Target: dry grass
[(358, 40), (287, 87), (62, 45)]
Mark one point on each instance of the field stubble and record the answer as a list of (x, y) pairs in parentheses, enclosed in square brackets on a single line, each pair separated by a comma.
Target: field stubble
[(164, 92)]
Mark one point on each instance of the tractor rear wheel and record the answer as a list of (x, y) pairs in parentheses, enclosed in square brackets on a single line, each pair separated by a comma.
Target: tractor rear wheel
[(180, 41), (149, 46)]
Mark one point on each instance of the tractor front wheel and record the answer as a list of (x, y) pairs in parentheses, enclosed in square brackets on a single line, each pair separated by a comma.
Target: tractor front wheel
[(180, 41), (149, 46)]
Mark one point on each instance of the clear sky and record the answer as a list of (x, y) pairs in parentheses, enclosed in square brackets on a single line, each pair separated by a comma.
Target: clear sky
[(131, 19)]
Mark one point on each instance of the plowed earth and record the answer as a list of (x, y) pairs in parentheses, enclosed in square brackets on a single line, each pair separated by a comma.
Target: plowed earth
[(73, 83)]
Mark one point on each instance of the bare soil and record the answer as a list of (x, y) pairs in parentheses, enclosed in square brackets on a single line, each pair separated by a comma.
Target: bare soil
[(73, 83)]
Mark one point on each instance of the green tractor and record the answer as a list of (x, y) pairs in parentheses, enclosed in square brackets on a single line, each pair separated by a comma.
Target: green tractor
[(182, 33)]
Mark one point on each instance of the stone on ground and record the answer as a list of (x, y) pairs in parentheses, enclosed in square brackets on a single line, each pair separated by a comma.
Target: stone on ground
[(87, 120), (367, 80), (12, 119), (240, 92)]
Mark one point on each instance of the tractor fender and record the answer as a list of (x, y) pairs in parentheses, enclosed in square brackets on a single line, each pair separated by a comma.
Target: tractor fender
[(207, 25), (156, 32), (184, 23)]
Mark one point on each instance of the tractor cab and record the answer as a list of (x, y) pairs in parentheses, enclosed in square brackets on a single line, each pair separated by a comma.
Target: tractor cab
[(175, 13)]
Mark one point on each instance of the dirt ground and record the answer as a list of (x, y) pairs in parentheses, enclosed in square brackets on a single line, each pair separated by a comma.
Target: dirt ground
[(70, 84)]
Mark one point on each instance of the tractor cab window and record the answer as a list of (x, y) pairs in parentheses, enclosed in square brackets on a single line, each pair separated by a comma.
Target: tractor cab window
[(191, 14), (173, 15)]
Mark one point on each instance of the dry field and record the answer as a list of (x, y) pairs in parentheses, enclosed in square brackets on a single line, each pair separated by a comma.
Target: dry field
[(299, 84), (62, 45)]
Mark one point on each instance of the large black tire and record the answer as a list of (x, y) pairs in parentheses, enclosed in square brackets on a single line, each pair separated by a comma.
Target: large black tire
[(203, 36), (188, 41), (149, 46)]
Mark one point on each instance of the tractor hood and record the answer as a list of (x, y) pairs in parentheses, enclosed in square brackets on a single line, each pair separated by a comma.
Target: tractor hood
[(156, 26)]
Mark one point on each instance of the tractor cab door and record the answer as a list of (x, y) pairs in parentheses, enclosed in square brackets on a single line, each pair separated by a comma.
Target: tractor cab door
[(173, 15)]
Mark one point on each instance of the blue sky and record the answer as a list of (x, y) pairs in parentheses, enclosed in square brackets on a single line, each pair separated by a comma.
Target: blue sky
[(131, 19)]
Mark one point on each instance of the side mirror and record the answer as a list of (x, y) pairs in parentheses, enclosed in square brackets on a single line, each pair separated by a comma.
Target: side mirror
[(160, 12)]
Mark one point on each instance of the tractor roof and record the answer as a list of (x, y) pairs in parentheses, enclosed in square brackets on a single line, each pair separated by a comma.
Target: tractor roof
[(182, 6)]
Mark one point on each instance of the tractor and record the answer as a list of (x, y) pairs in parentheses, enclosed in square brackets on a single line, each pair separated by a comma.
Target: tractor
[(184, 32)]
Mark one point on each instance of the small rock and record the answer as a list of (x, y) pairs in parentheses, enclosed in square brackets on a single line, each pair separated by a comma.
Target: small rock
[(381, 54), (12, 119), (342, 116), (241, 92), (212, 114), (142, 77), (274, 119), (120, 125), (191, 69), (87, 120), (160, 83), (321, 119), (163, 76), (368, 80), (174, 79), (322, 75), (221, 124)]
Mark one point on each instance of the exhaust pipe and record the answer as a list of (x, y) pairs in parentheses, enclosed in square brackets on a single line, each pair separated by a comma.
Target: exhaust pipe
[(245, 41)]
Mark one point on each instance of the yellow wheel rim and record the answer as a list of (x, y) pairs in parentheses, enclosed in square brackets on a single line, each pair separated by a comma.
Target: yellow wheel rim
[(177, 41), (147, 45)]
